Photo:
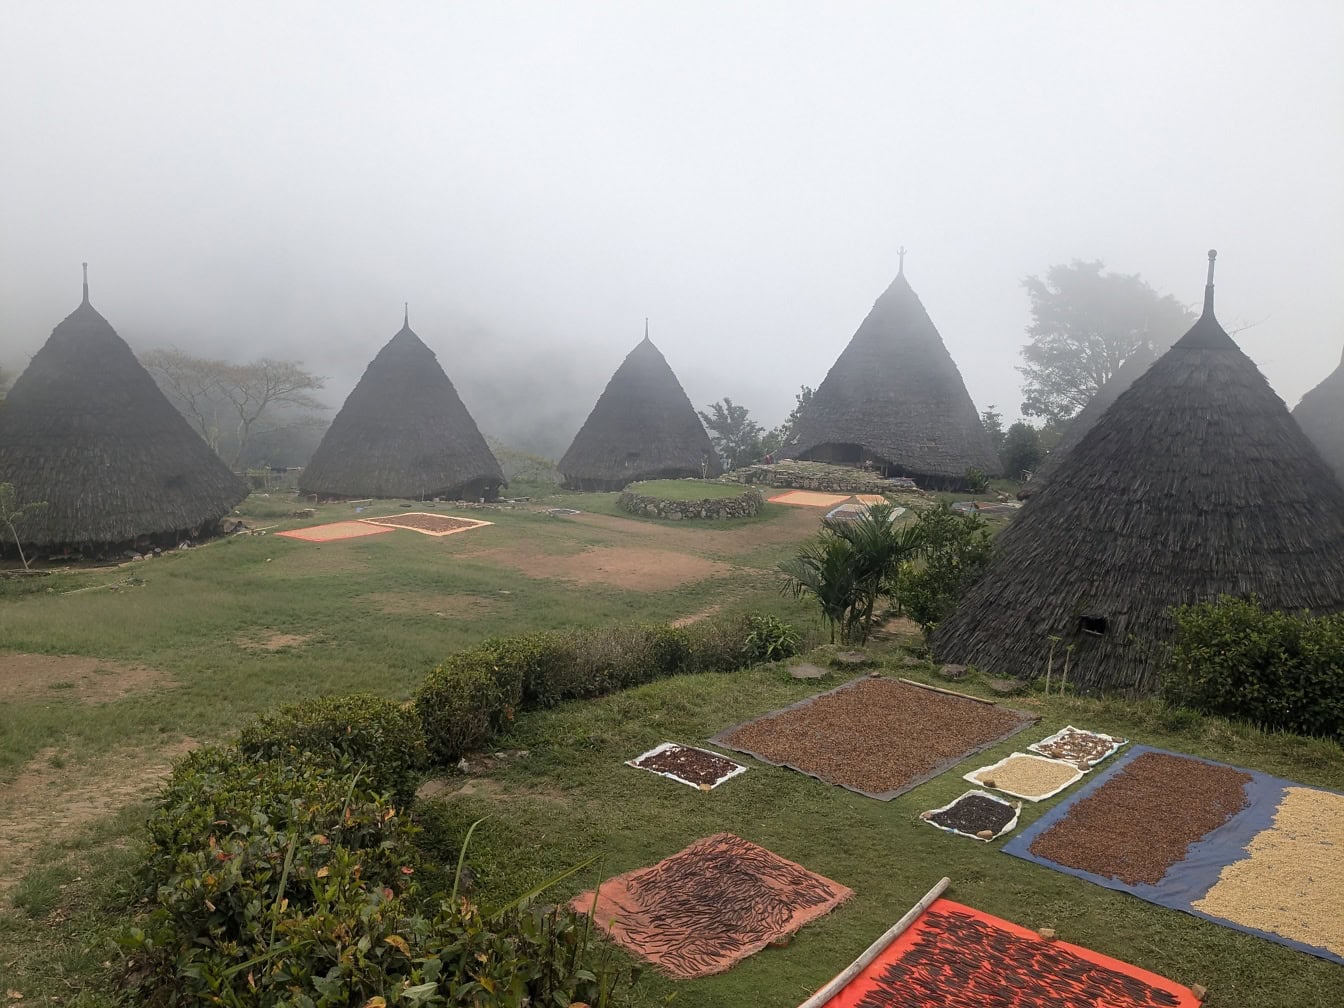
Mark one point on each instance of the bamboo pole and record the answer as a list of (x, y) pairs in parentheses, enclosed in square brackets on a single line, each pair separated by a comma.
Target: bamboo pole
[(939, 689), (837, 984)]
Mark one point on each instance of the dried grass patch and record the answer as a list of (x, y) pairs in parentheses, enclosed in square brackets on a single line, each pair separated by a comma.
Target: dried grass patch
[(27, 677), (271, 642), (445, 606)]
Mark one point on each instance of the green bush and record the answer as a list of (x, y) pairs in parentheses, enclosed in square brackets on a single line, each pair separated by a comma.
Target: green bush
[(386, 739), (291, 882), (770, 639), (1277, 670), (461, 705), (955, 550)]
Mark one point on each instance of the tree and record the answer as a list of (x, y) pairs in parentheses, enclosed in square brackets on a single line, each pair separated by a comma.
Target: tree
[(1084, 325), (12, 512), (232, 404), (777, 437), (992, 420), (955, 550), (736, 437), (1021, 451)]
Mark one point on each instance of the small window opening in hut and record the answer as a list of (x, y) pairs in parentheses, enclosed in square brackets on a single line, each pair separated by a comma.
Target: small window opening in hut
[(1095, 625)]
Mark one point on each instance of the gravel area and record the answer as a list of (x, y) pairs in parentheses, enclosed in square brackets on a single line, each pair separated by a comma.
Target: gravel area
[(694, 766), (1142, 821), (973, 813), (876, 736)]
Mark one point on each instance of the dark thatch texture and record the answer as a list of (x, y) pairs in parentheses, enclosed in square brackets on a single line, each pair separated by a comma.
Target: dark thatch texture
[(86, 429), (895, 398), (1082, 422), (1320, 414), (643, 427), (1195, 483), (403, 432)]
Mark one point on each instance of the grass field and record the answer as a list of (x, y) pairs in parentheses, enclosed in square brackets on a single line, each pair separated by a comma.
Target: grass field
[(111, 674), (687, 489)]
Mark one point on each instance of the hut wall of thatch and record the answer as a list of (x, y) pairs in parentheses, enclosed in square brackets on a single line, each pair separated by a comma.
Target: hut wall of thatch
[(86, 429), (894, 398), (1320, 414), (643, 427), (1195, 483), (403, 432)]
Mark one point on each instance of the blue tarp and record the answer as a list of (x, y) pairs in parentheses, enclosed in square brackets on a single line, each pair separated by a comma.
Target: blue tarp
[(1188, 881)]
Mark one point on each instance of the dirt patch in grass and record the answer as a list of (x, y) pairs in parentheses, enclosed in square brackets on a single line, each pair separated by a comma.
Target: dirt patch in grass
[(28, 677), (51, 799), (791, 526), (696, 617), (271, 641), (446, 606), (635, 569)]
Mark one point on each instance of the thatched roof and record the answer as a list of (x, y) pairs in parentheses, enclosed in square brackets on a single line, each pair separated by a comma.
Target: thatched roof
[(643, 427), (1082, 422), (403, 432), (1195, 483), (86, 429), (895, 398), (1320, 414)]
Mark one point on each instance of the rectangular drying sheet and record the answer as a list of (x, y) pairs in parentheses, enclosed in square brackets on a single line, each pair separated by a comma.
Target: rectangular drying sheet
[(661, 747), (1116, 743), (334, 531), (1008, 827), (986, 773), (810, 498), (392, 522)]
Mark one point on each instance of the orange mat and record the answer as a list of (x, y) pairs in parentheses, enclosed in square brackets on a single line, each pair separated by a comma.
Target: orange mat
[(428, 524), (334, 531), (810, 498), (957, 957), (708, 907)]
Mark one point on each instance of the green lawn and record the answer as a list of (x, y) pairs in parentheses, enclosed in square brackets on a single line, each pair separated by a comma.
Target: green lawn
[(377, 613), (687, 489)]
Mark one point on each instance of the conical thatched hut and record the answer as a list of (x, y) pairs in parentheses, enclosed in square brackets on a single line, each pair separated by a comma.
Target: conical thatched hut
[(1320, 414), (403, 432), (895, 399), (86, 430), (643, 427), (1195, 483), (1083, 421)]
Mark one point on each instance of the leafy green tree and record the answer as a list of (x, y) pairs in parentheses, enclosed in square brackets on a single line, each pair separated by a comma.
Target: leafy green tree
[(12, 513), (955, 549), (736, 437), (1084, 325), (992, 420), (776, 438), (1021, 451)]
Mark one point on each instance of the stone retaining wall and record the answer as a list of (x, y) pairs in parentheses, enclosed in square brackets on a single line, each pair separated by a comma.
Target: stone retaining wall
[(817, 476), (743, 506)]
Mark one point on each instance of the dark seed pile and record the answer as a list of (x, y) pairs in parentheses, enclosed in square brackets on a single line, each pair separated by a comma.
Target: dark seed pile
[(694, 765), (973, 813), (1143, 820), (961, 962), (877, 735)]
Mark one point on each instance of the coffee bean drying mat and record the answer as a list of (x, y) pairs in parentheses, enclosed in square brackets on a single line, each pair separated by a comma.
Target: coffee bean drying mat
[(876, 736), (1236, 847), (946, 955), (976, 814), (699, 768), (706, 908)]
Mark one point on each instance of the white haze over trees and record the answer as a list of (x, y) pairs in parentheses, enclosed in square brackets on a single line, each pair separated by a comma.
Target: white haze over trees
[(271, 181)]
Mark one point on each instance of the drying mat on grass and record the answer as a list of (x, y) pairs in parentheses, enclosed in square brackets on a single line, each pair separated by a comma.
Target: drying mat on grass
[(1083, 748), (1237, 847), (953, 956), (710, 906), (878, 737), (428, 524), (700, 768), (1034, 778), (974, 813), (334, 531), (810, 498)]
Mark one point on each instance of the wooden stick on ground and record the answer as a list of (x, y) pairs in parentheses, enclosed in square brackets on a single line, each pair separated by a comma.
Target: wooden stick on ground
[(939, 689), (837, 984)]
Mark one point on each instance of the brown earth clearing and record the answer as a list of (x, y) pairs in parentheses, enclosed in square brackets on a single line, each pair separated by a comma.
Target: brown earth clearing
[(26, 677)]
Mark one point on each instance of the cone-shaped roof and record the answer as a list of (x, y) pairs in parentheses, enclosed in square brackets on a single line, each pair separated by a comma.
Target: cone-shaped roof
[(1195, 483), (1320, 414), (895, 396), (643, 427), (403, 432), (1083, 421), (86, 429)]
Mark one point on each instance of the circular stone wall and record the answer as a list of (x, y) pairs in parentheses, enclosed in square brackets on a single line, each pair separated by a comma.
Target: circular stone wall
[(742, 506)]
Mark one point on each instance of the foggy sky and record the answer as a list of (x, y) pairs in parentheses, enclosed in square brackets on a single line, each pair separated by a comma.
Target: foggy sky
[(536, 178)]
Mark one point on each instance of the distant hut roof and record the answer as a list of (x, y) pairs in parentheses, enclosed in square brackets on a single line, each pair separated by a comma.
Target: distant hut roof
[(1082, 422), (895, 395), (1320, 414), (642, 427), (86, 429), (1195, 483), (403, 432)]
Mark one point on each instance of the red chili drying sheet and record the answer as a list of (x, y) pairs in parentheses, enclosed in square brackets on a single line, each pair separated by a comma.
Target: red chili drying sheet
[(957, 957)]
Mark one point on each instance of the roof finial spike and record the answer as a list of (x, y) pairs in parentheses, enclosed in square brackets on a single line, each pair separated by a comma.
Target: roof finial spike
[(406, 314), (1208, 284), (86, 282), (646, 327), (900, 252)]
